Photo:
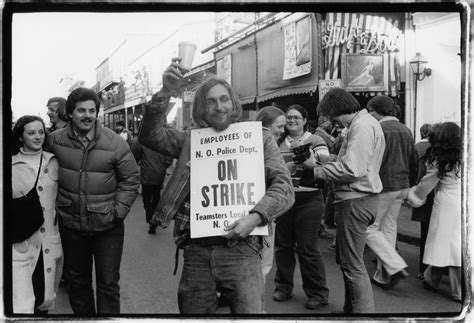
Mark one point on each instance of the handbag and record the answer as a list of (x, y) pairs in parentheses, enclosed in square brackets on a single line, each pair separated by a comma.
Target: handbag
[(26, 214)]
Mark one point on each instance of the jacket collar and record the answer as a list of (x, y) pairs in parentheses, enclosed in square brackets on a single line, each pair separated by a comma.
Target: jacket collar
[(17, 159), (388, 118), (97, 131)]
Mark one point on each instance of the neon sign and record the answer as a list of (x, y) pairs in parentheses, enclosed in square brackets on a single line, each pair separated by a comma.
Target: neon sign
[(371, 41)]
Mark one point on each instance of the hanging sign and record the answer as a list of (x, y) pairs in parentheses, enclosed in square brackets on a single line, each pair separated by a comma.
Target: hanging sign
[(326, 85), (227, 177), (297, 48), (224, 68)]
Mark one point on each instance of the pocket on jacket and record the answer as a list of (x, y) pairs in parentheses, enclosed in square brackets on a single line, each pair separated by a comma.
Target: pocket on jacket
[(101, 214), (21, 247), (21, 252), (62, 201), (56, 247)]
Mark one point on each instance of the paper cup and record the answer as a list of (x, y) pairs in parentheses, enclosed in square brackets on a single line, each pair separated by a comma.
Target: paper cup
[(186, 53)]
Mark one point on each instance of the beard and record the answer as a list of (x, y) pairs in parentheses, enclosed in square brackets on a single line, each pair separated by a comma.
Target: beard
[(218, 124)]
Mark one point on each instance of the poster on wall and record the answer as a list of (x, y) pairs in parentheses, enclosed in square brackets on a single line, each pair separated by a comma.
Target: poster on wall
[(234, 180), (363, 72), (297, 48), (224, 68)]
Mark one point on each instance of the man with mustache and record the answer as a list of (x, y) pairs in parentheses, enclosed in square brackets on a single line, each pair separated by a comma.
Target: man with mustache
[(229, 264), (98, 182)]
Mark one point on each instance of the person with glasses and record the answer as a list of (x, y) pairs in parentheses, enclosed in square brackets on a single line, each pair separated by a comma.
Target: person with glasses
[(300, 225)]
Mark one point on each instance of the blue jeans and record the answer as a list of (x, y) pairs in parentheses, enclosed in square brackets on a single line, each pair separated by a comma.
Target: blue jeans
[(105, 249), (300, 227), (235, 272), (352, 218)]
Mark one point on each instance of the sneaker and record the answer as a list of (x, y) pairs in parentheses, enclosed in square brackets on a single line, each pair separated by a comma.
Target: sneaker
[(314, 304), (280, 296)]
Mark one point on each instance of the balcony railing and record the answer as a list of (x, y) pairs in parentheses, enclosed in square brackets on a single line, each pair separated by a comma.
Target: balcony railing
[(113, 98)]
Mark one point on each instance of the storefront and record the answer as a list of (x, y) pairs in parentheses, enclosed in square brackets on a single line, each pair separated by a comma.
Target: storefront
[(276, 65), (285, 62), (363, 51)]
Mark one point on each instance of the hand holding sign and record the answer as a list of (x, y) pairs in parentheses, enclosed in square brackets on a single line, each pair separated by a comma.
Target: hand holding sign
[(242, 227), (227, 181)]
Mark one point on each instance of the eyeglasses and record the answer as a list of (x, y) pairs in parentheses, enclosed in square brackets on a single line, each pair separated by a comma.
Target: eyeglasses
[(293, 118)]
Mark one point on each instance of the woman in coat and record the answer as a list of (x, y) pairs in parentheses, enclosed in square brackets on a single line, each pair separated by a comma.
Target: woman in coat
[(443, 174), (36, 261)]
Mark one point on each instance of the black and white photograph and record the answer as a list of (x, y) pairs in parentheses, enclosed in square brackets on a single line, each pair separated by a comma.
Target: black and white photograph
[(180, 161)]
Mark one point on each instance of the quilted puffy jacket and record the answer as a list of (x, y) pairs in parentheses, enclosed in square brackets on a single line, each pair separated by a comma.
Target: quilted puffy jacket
[(98, 183)]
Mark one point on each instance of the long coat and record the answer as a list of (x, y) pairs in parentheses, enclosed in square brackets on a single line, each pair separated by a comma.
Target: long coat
[(443, 243), (25, 254)]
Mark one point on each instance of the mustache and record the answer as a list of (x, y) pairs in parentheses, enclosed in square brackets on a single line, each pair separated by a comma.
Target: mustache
[(86, 120)]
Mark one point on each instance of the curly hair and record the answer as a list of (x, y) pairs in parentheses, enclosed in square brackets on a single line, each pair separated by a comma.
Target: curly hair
[(81, 94), (446, 148)]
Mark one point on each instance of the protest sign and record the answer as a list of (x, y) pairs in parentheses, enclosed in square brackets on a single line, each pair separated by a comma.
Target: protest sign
[(227, 177)]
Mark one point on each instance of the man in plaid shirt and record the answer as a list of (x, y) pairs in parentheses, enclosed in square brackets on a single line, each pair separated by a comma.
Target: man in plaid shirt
[(229, 264)]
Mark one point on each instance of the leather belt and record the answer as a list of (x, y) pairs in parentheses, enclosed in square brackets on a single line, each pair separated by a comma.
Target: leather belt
[(209, 241)]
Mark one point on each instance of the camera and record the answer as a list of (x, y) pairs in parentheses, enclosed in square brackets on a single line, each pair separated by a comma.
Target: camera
[(301, 153)]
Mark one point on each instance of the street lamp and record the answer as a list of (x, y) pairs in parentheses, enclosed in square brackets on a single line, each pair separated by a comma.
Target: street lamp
[(418, 65)]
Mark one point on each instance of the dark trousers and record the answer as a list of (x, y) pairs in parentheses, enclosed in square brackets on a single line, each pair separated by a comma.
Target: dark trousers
[(424, 226), (105, 249), (300, 226), (329, 203), (150, 196)]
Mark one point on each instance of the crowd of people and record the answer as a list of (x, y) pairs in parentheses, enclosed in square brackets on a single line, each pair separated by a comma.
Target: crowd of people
[(353, 171)]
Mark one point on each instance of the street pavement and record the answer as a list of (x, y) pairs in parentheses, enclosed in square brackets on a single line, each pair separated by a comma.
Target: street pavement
[(148, 286)]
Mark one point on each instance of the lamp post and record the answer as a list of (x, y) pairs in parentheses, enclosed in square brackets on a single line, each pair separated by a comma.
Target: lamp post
[(418, 65)]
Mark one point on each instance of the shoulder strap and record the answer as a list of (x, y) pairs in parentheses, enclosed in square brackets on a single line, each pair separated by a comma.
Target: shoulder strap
[(39, 170)]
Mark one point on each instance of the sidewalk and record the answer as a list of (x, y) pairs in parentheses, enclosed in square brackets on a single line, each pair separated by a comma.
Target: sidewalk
[(408, 230)]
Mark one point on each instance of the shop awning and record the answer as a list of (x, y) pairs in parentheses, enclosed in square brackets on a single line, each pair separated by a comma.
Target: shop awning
[(243, 68), (261, 57), (271, 59), (135, 102)]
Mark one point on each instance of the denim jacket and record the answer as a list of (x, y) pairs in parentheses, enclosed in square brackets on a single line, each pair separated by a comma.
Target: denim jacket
[(398, 168), (155, 134)]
